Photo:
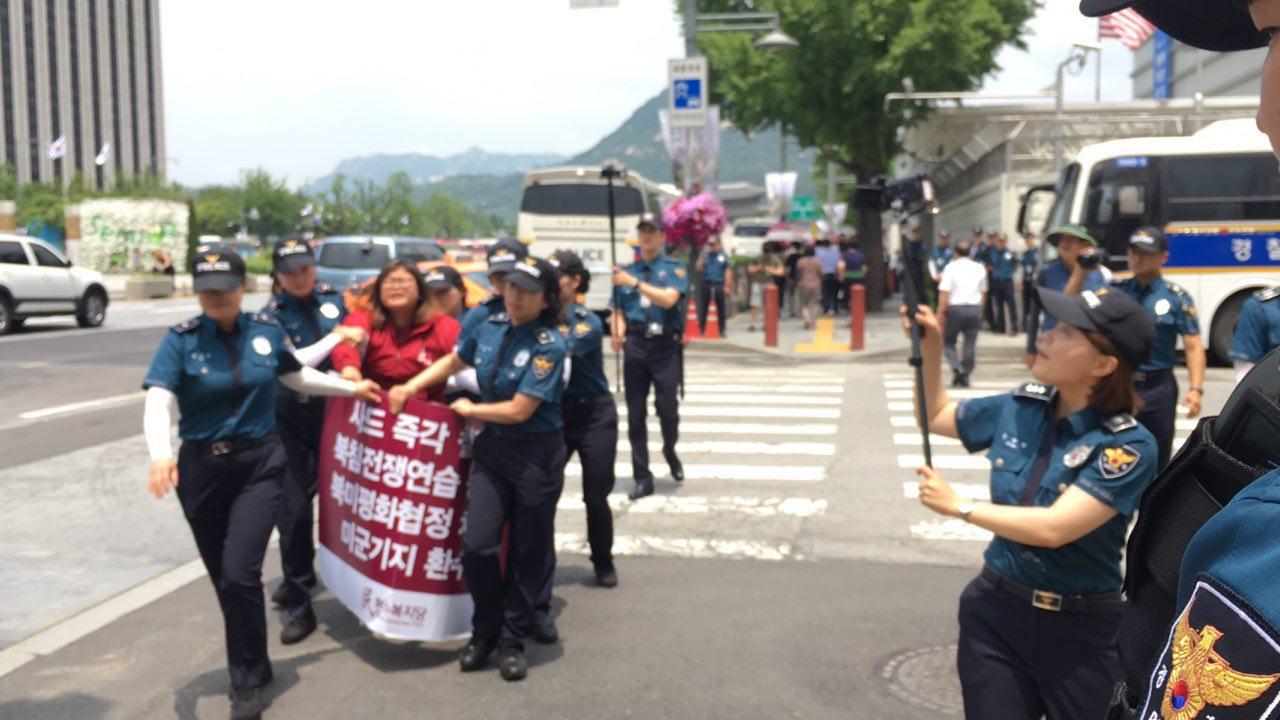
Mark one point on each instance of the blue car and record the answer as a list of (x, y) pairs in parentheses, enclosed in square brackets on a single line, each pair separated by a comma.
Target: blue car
[(346, 261)]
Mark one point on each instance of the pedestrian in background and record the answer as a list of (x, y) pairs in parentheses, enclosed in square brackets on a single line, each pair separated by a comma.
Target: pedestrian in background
[(1004, 265), (793, 257), (983, 255), (829, 258), (1030, 262), (717, 284), (853, 266), (757, 278), (809, 287), (960, 293)]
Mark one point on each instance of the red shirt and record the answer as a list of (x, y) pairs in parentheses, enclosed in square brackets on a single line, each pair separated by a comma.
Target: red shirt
[(394, 355)]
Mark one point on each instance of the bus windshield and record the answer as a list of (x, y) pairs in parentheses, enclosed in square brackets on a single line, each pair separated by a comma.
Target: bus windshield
[(580, 199)]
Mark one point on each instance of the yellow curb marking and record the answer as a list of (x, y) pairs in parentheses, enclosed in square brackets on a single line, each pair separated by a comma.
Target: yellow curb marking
[(824, 339)]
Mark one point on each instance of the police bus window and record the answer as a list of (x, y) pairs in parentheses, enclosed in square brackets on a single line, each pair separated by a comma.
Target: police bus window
[(1222, 187), (1117, 204)]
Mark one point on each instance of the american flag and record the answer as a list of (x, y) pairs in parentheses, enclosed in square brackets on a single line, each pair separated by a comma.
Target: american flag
[(1127, 26)]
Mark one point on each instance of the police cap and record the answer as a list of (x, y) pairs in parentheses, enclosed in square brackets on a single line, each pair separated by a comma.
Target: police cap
[(289, 255), (1116, 316), (535, 275), (567, 262), (504, 254), (649, 220), (1148, 240), (444, 277), (220, 270), (1218, 25)]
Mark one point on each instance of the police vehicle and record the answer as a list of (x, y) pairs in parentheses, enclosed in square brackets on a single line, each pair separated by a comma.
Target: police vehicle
[(567, 208), (1216, 195), (345, 261), (37, 281)]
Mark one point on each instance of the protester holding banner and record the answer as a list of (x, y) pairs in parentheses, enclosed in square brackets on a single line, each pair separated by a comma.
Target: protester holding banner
[(407, 332), (518, 469), (1069, 465), (222, 367)]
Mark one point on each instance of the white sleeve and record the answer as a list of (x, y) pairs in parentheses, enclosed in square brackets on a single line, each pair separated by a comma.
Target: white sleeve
[(465, 380), (156, 422), (1242, 368), (313, 382), (568, 370), (314, 354), (945, 283)]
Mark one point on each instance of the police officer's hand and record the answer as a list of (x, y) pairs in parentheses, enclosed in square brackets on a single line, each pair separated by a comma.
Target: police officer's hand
[(925, 317), (368, 391), (397, 396), (622, 278), (936, 493), (462, 406), (1191, 401), (162, 477), (350, 336), (351, 373), (616, 342)]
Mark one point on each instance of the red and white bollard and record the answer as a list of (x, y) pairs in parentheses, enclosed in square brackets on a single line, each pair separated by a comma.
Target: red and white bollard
[(771, 315), (857, 315)]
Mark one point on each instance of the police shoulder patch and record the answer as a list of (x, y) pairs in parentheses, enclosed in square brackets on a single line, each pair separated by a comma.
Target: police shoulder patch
[(679, 271), (545, 337), (582, 312), (582, 329), (542, 366), (1036, 391), (1115, 462), (1222, 660), (1266, 294), (490, 300), (1120, 422), (186, 326)]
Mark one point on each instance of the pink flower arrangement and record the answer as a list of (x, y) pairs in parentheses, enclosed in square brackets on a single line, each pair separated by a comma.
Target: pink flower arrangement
[(693, 219)]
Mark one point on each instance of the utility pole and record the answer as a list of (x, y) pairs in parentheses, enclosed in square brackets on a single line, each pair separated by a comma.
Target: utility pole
[(690, 50)]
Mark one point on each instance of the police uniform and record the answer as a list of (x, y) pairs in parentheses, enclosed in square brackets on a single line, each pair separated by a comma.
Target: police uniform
[(516, 478), (652, 355), (232, 465), (1055, 276), (1030, 262), (300, 419), (502, 257), (713, 272), (1004, 265), (1258, 329)]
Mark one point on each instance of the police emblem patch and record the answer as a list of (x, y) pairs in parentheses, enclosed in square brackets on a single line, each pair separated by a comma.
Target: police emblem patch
[(680, 272), (521, 359), (581, 329), (1077, 456), (1162, 306), (542, 366), (1222, 661), (329, 310), (564, 330), (261, 345), (1117, 462)]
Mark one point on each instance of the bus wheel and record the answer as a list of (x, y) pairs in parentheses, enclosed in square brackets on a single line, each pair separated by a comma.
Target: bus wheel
[(1224, 328)]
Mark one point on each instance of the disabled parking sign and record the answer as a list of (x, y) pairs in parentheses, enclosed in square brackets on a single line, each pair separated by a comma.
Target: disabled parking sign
[(687, 88)]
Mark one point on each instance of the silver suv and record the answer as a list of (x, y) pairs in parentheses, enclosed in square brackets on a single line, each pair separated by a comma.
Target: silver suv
[(37, 281)]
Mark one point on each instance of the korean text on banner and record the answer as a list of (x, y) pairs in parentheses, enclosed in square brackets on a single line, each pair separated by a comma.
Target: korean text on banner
[(393, 505)]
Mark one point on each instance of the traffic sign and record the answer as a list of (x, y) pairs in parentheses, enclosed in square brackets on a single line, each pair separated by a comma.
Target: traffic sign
[(687, 88), (803, 209)]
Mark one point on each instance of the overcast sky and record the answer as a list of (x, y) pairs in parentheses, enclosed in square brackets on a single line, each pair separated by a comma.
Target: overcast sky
[(295, 86)]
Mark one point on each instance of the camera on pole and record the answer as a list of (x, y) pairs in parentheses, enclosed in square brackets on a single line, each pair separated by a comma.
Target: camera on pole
[(612, 171)]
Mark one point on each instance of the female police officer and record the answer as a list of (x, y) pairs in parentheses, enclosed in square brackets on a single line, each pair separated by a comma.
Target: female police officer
[(310, 314), (222, 367), (1069, 464), (518, 469)]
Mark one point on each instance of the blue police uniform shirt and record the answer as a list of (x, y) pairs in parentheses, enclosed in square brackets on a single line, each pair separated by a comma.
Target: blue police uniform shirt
[(473, 318), (1004, 263), (1112, 459), (716, 264), (1055, 276), (941, 257), (661, 272), (1030, 259), (526, 359), (978, 252), (1174, 313), (1258, 329), (308, 320), (225, 382), (585, 335)]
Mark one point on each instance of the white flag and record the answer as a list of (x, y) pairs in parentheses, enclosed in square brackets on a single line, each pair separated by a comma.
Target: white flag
[(103, 154), (58, 149)]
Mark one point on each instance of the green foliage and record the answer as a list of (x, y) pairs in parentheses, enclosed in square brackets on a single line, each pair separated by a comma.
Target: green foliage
[(259, 263), (217, 211), (278, 207)]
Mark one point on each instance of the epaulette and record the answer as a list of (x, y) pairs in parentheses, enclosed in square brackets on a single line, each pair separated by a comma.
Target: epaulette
[(545, 337), (325, 288), (499, 317), (1266, 294), (1175, 288), (1036, 391), (490, 300), (186, 326), (582, 312), (265, 319), (272, 305), (1117, 423)]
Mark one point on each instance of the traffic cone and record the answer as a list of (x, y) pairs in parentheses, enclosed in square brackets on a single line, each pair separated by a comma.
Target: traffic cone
[(713, 321), (691, 324)]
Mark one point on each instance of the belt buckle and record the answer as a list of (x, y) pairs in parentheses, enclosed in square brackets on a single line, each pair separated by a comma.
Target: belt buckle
[(304, 399), (1046, 600), (221, 447)]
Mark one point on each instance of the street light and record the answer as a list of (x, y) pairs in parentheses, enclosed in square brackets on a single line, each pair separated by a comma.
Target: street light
[(776, 41), (1079, 53)]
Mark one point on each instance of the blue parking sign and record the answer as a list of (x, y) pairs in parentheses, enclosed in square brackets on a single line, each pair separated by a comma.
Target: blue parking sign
[(687, 94)]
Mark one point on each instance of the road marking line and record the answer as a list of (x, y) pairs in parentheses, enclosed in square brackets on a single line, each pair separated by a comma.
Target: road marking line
[(952, 393), (901, 406), (914, 439), (949, 529), (823, 389), (904, 420), (726, 447), (731, 428), (706, 471), (79, 406), (693, 505), (824, 339), (994, 385), (827, 399), (699, 548), (968, 491), (947, 462), (766, 411)]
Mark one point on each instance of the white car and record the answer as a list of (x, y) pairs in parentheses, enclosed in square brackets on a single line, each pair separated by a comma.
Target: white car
[(36, 281)]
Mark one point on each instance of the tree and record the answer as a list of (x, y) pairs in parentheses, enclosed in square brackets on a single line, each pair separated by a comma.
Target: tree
[(217, 211), (278, 207), (829, 92), (336, 213)]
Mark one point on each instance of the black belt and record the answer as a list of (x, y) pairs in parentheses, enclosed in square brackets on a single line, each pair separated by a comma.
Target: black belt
[(229, 445), (499, 431), (1109, 602), (645, 334), (606, 399), (1151, 375)]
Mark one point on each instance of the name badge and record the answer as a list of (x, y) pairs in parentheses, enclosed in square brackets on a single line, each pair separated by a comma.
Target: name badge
[(645, 302), (329, 310), (654, 329)]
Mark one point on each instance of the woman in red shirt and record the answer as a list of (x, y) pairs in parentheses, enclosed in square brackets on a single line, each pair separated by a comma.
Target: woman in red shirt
[(407, 333)]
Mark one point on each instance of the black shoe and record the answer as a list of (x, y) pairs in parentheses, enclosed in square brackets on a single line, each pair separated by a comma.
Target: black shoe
[(300, 624), (511, 663), (544, 630), (606, 577), (247, 703), (964, 381), (475, 656), (955, 379), (287, 596), (677, 469), (642, 489)]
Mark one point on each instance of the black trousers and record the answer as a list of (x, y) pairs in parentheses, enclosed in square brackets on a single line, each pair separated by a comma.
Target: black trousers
[(962, 322), (301, 421), (232, 502), (706, 292), (830, 292), (651, 361), (1002, 298), (1159, 393), (1018, 662), (516, 479), (591, 430)]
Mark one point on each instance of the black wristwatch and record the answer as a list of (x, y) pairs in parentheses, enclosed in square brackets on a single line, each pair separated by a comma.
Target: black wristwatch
[(1196, 390)]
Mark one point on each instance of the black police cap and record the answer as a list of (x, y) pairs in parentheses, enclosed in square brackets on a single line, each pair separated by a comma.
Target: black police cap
[(535, 275), (444, 277), (1218, 25), (220, 270), (289, 255), (651, 221), (504, 254), (1149, 240), (567, 262), (1116, 316)]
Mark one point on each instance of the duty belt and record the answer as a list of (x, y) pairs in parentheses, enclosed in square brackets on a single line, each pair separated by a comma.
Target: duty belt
[(1151, 375), (229, 445), (1110, 602)]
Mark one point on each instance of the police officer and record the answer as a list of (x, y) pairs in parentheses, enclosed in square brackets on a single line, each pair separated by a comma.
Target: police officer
[(716, 281), (446, 286), (1257, 330), (1030, 262), (1065, 274), (590, 415), (646, 326), (1069, 464), (941, 255), (222, 367), (502, 257), (982, 253), (1004, 264), (1174, 313)]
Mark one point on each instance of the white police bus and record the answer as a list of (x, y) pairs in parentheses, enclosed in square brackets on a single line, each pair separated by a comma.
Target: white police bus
[(1216, 194), (566, 208)]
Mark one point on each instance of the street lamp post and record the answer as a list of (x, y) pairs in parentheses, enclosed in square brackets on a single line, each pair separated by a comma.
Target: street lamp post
[(1079, 53)]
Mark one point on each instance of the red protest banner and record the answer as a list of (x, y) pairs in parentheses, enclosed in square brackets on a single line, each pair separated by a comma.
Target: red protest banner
[(393, 502)]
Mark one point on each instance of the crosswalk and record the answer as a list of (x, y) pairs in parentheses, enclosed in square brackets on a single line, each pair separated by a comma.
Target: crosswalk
[(967, 474), (755, 441)]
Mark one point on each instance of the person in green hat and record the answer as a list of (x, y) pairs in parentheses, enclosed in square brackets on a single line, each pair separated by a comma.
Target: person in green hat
[(1066, 274)]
